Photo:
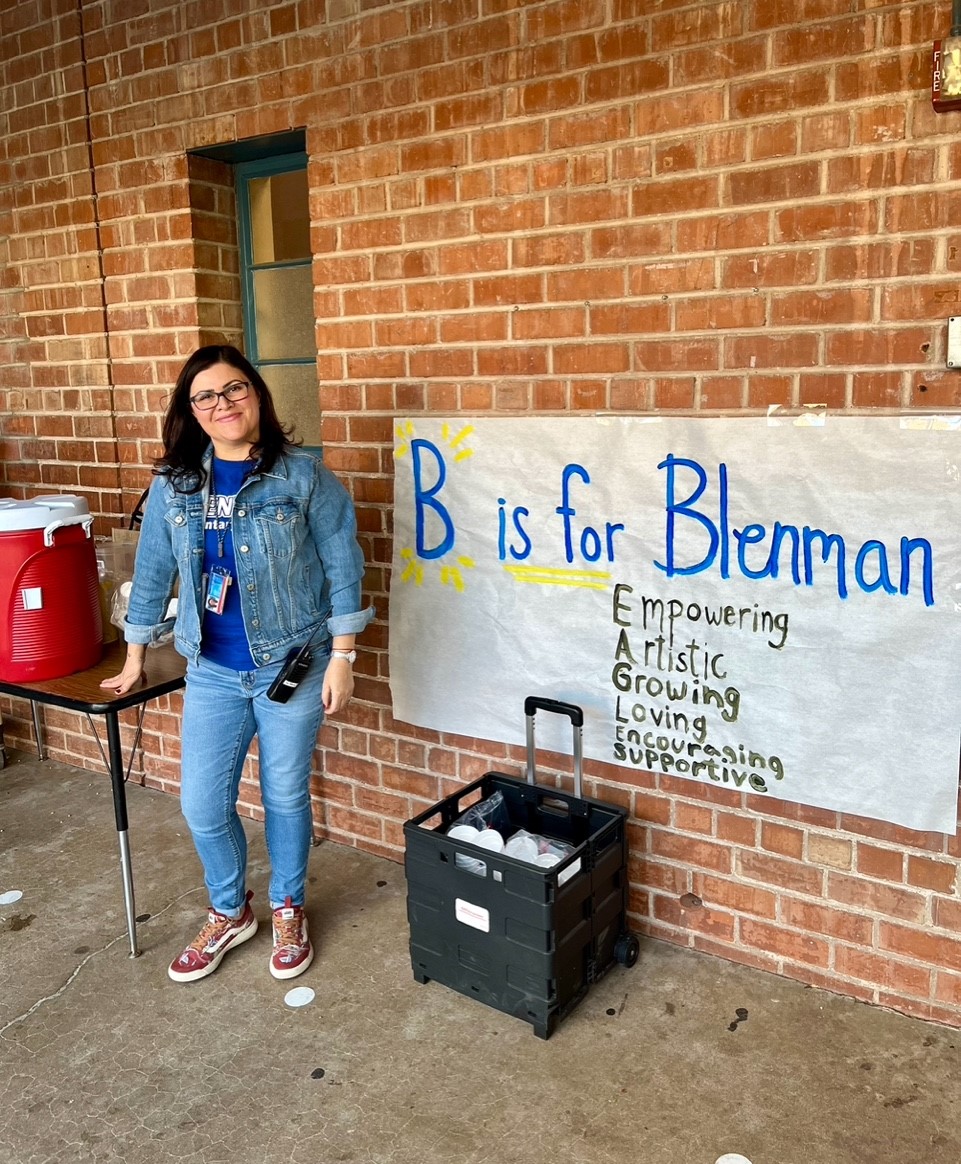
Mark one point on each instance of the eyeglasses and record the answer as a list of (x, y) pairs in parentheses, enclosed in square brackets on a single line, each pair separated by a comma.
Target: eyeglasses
[(207, 401)]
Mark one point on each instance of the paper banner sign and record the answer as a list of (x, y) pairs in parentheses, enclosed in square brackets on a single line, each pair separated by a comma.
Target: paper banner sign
[(771, 606)]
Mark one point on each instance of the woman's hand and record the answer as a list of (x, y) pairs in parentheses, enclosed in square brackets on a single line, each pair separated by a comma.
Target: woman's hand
[(132, 672), (338, 685)]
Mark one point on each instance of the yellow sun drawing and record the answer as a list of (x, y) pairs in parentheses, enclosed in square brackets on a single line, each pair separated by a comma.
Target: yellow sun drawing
[(450, 574)]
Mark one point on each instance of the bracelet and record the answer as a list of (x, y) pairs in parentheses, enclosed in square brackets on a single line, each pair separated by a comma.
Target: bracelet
[(350, 656)]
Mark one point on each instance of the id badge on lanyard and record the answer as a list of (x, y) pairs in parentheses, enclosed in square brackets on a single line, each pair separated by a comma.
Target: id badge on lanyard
[(217, 585)]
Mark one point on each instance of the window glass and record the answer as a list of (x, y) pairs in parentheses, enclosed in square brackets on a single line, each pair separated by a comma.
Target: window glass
[(279, 218), (284, 313), (278, 293), (296, 386)]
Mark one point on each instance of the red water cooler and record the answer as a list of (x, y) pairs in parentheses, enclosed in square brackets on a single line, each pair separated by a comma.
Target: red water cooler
[(50, 622)]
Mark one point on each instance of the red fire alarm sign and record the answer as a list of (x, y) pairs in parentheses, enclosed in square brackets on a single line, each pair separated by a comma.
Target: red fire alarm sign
[(946, 74)]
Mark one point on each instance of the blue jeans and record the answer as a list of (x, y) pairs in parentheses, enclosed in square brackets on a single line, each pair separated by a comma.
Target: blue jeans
[(223, 710)]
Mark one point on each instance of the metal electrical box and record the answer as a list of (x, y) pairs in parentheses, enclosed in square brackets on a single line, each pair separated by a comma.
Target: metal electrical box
[(954, 341)]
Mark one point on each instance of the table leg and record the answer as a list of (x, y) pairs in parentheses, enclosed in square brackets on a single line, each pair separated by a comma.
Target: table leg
[(38, 729), (120, 812)]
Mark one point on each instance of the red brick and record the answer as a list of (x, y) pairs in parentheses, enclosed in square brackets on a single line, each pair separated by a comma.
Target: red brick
[(693, 818), (586, 283), (765, 391), (774, 183), (462, 259), (835, 923), (788, 842), (721, 313), (723, 392), (475, 326), (695, 26), (674, 196), (730, 231), (781, 269), (717, 924), (674, 392), (663, 355), (877, 261), (819, 308), (882, 899), (794, 946), (629, 240), (947, 914), (738, 829), (948, 989), (877, 389), (576, 130), (513, 215), (795, 350), (690, 274), (548, 250), (344, 821), (653, 809), (743, 957), (629, 319), (690, 852), (780, 94), (734, 896), (775, 139), (512, 361), (779, 873), (563, 18), (882, 971), (555, 323), (673, 157), (879, 171), (508, 290), (807, 224), (923, 873), (921, 946), (507, 141), (591, 358), (557, 93)]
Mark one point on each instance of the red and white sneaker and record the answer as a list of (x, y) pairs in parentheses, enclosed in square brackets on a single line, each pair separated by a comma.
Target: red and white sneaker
[(206, 951), (293, 952)]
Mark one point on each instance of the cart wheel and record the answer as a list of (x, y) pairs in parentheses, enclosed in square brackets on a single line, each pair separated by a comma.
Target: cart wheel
[(627, 950)]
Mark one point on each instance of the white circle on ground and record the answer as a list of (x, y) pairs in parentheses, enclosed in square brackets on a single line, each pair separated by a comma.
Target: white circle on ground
[(732, 1158), (10, 896), (299, 996)]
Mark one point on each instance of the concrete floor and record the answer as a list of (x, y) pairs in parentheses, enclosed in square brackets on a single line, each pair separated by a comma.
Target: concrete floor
[(103, 1058)]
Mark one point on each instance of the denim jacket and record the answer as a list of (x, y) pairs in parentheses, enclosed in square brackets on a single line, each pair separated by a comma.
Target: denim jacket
[(299, 567)]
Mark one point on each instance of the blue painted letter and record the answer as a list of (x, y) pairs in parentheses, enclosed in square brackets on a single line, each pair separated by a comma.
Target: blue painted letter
[(683, 508), (427, 499)]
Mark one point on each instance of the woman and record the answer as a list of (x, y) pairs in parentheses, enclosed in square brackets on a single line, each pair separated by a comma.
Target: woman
[(262, 540)]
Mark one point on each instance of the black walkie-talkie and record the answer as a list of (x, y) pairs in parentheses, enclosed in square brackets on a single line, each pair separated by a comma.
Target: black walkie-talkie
[(292, 673)]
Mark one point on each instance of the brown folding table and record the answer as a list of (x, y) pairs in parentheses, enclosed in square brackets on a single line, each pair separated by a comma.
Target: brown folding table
[(164, 672)]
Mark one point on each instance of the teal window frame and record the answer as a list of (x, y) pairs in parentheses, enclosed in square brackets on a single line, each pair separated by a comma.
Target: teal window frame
[(243, 172)]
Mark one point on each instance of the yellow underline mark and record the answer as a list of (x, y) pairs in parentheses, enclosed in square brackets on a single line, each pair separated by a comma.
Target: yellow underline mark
[(554, 576)]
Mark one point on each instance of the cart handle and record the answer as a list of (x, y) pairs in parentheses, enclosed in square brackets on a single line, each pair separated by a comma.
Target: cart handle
[(534, 703)]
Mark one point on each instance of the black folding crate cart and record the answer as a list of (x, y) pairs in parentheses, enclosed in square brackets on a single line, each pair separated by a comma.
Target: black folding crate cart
[(526, 940)]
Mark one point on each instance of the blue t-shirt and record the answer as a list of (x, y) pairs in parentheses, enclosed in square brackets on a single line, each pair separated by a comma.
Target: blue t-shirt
[(223, 638)]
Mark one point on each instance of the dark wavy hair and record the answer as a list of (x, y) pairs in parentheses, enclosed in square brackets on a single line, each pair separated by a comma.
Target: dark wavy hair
[(186, 443)]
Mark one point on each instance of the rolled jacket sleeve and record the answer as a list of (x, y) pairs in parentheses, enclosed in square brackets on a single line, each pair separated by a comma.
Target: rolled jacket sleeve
[(333, 525)]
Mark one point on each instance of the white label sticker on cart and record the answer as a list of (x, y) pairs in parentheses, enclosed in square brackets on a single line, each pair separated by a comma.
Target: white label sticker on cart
[(472, 915)]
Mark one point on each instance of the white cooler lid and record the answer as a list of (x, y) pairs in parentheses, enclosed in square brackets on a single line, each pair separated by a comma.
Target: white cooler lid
[(39, 512)]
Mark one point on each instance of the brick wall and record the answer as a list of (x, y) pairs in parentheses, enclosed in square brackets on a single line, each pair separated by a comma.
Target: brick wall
[(517, 206)]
